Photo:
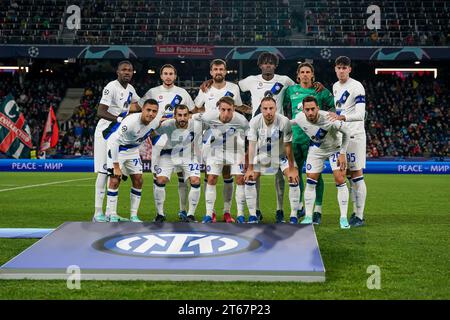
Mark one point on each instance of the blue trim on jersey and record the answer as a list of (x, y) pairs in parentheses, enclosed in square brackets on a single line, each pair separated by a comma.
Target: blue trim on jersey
[(344, 97), (360, 99), (113, 194), (135, 192), (161, 185), (127, 146), (166, 151), (155, 139)]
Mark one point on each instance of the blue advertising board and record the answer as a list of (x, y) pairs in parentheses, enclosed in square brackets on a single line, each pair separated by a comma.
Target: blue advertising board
[(87, 165)]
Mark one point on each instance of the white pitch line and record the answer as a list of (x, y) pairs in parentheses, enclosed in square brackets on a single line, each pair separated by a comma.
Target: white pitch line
[(43, 184)]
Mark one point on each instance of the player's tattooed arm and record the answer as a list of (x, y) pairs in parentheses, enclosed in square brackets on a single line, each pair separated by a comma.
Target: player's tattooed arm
[(134, 107), (318, 86), (198, 109), (102, 112), (244, 109), (206, 85)]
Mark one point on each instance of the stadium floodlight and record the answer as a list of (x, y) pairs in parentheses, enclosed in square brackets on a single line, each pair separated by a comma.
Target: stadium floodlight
[(151, 71), (434, 70)]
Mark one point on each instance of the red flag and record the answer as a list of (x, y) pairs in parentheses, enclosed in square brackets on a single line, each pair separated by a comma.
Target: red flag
[(51, 132)]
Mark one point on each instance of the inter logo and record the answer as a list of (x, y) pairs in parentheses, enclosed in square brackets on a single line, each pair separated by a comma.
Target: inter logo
[(176, 244)]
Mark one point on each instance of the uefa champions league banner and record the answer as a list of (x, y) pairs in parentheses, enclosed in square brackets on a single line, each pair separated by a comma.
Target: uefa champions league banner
[(174, 51), (87, 165)]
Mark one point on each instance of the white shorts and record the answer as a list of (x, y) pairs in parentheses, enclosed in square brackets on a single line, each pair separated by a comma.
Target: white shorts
[(128, 166), (316, 160), (356, 153), (166, 167), (269, 170), (216, 169), (100, 152)]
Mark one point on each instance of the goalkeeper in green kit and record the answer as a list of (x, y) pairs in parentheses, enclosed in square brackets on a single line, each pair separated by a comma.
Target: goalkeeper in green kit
[(294, 96)]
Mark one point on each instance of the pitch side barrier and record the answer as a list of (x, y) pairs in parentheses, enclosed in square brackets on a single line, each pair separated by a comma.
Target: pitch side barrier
[(87, 165)]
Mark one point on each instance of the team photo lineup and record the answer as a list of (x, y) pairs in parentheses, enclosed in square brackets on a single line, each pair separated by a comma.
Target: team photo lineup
[(202, 152), (213, 134)]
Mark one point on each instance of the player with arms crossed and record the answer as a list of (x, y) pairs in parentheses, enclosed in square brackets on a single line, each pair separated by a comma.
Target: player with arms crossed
[(268, 84), (270, 150), (168, 96), (124, 159), (227, 148), (117, 101), (350, 102), (329, 140), (294, 96), (178, 154)]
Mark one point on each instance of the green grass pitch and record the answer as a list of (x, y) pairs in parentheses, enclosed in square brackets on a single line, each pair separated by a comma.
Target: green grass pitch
[(407, 235)]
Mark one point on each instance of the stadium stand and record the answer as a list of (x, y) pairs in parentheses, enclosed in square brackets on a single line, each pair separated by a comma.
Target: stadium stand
[(404, 23), (141, 22)]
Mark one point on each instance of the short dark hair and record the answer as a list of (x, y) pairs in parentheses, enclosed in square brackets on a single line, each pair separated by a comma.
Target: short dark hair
[(180, 107), (268, 57), (227, 100), (342, 60), (124, 62), (268, 99), (217, 62), (152, 102), (167, 65), (310, 99)]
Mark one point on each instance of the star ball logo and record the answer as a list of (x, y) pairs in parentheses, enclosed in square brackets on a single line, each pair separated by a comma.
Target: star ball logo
[(176, 244)]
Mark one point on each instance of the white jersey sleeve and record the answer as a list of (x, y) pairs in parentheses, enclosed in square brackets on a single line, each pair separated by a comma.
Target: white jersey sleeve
[(108, 94), (200, 99), (287, 129), (253, 130), (360, 104), (246, 84)]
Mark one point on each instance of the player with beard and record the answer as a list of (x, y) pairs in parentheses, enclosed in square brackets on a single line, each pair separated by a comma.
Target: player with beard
[(168, 96)]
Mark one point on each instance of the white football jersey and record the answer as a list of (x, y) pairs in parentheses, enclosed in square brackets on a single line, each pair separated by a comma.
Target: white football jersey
[(167, 99), (350, 100), (259, 88), (270, 139), (180, 142), (118, 100), (226, 141), (325, 134), (125, 142), (210, 97)]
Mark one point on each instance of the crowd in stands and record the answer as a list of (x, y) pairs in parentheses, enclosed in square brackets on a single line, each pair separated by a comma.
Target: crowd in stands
[(226, 22), (406, 117)]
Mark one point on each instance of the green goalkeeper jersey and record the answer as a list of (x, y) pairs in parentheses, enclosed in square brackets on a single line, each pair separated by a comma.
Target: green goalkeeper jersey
[(294, 96)]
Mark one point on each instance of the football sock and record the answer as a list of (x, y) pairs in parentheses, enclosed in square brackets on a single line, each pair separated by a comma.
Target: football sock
[(135, 200), (294, 196), (240, 199), (310, 196), (210, 199), (342, 196), (159, 194), (194, 196), (100, 188), (361, 192), (228, 186), (279, 187), (182, 193), (111, 202), (250, 196)]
